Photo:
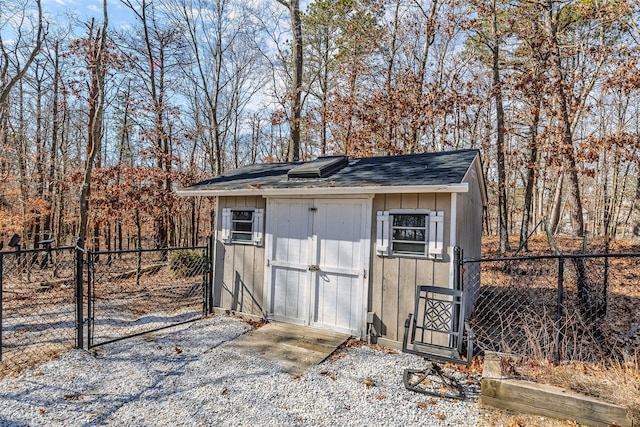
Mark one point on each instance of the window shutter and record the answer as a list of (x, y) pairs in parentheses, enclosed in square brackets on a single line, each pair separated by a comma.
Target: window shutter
[(226, 225), (436, 232), (382, 235), (258, 221)]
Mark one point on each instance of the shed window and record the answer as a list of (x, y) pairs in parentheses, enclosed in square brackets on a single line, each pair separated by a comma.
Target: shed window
[(410, 233), (242, 226)]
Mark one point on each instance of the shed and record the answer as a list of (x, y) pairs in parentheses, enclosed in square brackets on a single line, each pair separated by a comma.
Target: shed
[(341, 244)]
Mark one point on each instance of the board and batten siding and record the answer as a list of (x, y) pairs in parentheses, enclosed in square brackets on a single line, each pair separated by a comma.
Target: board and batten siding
[(240, 287), (394, 279), (469, 230)]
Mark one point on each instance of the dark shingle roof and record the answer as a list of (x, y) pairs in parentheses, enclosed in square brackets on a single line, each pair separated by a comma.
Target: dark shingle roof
[(441, 168)]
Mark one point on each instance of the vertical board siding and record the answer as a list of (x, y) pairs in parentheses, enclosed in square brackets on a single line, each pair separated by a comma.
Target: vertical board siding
[(394, 279), (376, 274), (406, 274), (470, 229), (390, 283), (240, 286)]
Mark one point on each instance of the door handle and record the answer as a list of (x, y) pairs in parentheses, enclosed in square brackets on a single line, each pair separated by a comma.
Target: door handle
[(314, 267)]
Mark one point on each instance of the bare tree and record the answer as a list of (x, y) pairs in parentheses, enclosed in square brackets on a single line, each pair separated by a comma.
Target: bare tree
[(96, 45), (296, 79), (10, 56)]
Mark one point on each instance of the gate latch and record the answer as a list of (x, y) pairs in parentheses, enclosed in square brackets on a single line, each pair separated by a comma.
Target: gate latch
[(314, 267)]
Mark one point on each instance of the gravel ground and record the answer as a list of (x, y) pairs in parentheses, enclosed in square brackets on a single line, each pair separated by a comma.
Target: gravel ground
[(187, 377)]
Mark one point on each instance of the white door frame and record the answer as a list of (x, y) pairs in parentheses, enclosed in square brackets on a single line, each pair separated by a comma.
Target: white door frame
[(365, 260)]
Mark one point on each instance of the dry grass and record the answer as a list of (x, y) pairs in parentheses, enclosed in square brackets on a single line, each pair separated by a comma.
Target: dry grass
[(618, 384), (492, 417)]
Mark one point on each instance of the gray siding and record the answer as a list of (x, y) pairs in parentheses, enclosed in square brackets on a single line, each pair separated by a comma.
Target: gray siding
[(469, 229), (239, 269), (469, 217), (394, 279)]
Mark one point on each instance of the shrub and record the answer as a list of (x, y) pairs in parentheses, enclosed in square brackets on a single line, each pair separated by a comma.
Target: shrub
[(187, 262)]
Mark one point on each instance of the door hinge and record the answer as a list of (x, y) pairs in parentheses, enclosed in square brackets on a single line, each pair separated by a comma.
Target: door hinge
[(364, 273)]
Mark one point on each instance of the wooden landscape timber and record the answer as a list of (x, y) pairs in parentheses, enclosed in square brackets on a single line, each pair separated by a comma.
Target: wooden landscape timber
[(501, 391)]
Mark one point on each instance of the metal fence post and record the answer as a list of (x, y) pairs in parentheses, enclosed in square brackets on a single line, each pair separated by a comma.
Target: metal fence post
[(90, 308), (559, 309), (605, 286), (79, 258), (209, 282), (1, 296), (457, 268)]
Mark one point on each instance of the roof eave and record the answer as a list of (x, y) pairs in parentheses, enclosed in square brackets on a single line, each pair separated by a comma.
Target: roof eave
[(311, 191)]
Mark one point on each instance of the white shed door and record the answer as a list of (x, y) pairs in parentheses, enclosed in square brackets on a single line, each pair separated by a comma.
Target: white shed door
[(318, 257)]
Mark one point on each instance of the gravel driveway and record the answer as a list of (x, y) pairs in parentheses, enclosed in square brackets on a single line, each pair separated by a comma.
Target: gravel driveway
[(189, 378)]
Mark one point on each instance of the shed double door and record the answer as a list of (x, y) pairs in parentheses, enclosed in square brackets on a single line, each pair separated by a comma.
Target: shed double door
[(318, 250)]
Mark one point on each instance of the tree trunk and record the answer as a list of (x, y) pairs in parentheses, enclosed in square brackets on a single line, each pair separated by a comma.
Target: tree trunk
[(556, 208), (293, 151), (565, 125), (429, 37), (531, 175), (96, 108), (502, 176)]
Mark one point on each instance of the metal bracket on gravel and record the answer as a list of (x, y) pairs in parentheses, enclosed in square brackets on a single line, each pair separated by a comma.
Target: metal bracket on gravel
[(432, 381)]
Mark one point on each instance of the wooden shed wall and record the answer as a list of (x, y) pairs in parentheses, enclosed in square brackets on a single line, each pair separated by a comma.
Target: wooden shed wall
[(394, 278), (469, 217), (469, 231), (240, 286)]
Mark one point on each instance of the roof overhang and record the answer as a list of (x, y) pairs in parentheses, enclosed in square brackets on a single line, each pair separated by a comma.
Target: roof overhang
[(317, 191)]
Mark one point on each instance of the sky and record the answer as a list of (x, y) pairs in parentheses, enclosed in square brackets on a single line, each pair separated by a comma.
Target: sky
[(87, 9)]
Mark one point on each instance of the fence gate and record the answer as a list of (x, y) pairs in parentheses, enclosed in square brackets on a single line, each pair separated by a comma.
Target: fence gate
[(134, 292)]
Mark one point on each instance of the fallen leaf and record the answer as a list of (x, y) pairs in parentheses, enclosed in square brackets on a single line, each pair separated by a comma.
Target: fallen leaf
[(328, 374), (440, 416), (72, 397), (38, 373)]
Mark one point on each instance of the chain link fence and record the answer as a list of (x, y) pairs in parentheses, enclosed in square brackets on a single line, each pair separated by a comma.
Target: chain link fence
[(139, 291), (38, 306), (579, 307), (55, 299)]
